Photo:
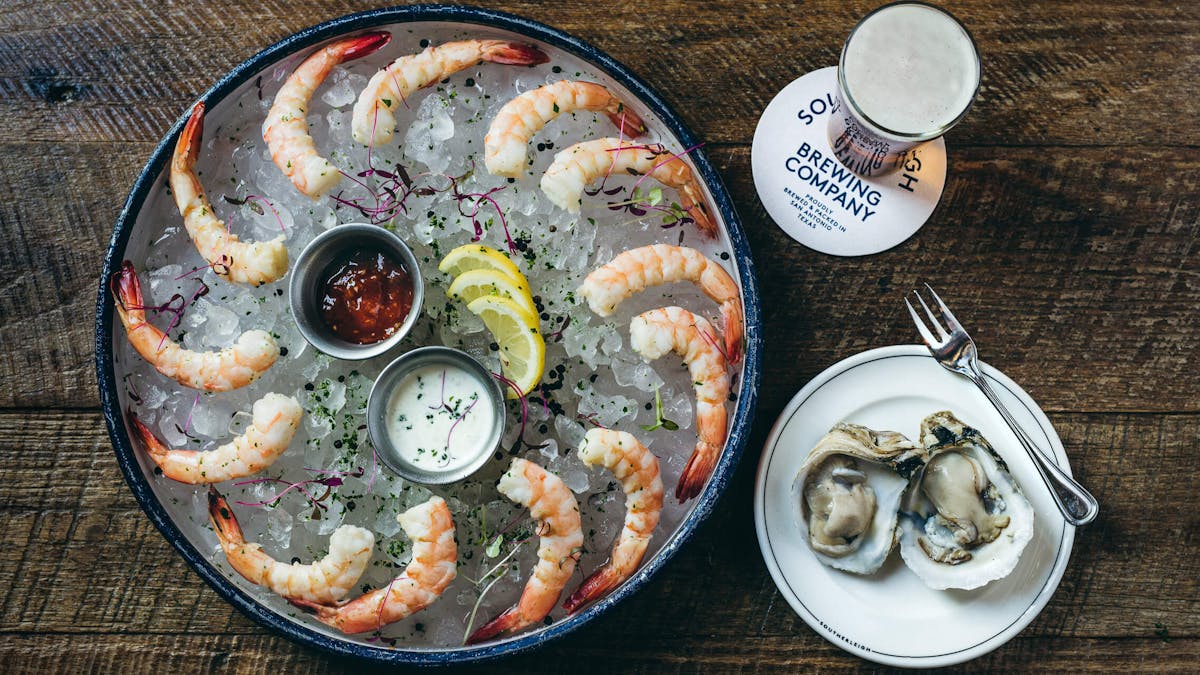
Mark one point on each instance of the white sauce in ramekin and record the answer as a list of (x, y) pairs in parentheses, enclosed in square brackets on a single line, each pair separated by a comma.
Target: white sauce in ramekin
[(439, 416)]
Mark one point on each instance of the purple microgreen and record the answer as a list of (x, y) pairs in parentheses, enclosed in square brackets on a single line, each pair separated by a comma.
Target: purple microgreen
[(331, 480), (442, 404), (383, 603), (711, 341), (221, 267), (660, 150), (524, 412), (356, 473), (175, 306), (455, 424), (590, 418), (557, 335)]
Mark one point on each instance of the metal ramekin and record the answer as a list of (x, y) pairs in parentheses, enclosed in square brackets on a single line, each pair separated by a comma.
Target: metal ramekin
[(381, 394), (308, 275)]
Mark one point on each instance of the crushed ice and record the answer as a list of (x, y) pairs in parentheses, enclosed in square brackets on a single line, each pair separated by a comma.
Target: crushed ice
[(600, 381)]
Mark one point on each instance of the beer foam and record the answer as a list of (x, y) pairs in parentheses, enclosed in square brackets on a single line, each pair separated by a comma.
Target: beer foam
[(910, 69)]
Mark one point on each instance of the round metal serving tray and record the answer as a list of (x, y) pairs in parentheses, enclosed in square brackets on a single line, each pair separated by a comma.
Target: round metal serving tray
[(136, 469)]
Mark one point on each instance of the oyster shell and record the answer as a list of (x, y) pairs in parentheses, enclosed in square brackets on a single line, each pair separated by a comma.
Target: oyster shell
[(848, 492), (966, 521)]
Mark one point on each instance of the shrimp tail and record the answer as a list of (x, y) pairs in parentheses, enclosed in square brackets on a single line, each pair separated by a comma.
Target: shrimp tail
[(324, 613), (513, 54), (699, 467), (363, 45), (695, 206), (506, 621), (626, 120), (594, 587), (151, 444), (126, 289), (731, 314), (187, 150), (221, 516)]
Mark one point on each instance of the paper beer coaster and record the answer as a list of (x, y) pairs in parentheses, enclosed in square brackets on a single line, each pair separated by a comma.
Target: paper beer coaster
[(818, 201)]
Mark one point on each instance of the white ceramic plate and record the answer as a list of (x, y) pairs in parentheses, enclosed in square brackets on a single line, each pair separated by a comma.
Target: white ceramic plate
[(891, 617)]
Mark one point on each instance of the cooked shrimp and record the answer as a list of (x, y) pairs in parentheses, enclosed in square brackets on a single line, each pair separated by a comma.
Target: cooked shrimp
[(637, 469), (635, 270), (275, 419), (373, 122), (326, 580), (243, 262), (504, 147), (286, 127), (230, 368), (553, 505), (433, 567), (577, 166), (666, 329)]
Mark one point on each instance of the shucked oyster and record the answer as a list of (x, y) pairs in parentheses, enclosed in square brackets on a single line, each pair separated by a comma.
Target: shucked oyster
[(848, 492), (967, 521)]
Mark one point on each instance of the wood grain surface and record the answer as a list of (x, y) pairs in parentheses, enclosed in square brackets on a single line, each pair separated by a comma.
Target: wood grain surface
[(1066, 239)]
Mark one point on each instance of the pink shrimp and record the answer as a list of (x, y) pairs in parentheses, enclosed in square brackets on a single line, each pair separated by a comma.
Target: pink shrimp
[(577, 166), (553, 505), (505, 146), (667, 329), (286, 127), (233, 367), (636, 269), (373, 122), (275, 419), (326, 580), (243, 262), (637, 469), (433, 567)]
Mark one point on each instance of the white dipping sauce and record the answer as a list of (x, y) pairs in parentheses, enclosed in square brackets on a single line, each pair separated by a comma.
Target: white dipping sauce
[(911, 69), (439, 416)]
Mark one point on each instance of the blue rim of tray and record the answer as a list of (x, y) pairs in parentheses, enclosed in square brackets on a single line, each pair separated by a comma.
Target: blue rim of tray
[(106, 376)]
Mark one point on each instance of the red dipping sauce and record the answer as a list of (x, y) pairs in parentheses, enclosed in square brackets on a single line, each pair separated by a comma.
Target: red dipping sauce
[(366, 296)]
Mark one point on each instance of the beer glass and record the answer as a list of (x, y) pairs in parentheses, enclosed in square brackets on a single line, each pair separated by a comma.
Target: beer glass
[(908, 73)]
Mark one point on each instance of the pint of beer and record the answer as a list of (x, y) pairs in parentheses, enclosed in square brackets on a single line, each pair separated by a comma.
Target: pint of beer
[(907, 74)]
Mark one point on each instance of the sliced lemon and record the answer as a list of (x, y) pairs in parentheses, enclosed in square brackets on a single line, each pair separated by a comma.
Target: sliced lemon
[(477, 283), (477, 256), (515, 329)]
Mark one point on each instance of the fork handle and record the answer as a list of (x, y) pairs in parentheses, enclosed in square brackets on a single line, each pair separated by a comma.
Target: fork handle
[(1078, 505)]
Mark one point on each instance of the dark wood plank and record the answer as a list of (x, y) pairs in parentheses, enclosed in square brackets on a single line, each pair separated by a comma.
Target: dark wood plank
[(54, 228), (1066, 240), (263, 653), (1053, 278), (108, 569), (1116, 73)]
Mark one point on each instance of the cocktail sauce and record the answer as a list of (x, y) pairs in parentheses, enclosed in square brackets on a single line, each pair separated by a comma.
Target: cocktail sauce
[(366, 296)]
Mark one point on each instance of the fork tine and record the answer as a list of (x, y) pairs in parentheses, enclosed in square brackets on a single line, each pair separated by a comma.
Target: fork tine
[(932, 319), (925, 334), (946, 313)]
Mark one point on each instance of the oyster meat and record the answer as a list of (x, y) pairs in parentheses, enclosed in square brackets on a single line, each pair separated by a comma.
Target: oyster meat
[(966, 521), (848, 493)]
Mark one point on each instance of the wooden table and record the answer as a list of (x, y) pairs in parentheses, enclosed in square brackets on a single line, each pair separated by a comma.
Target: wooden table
[(1067, 232)]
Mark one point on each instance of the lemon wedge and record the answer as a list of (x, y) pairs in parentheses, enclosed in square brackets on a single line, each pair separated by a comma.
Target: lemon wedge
[(477, 256), (477, 283), (515, 329)]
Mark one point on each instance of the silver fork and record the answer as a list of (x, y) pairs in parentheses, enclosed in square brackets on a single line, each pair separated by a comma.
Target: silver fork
[(956, 352)]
